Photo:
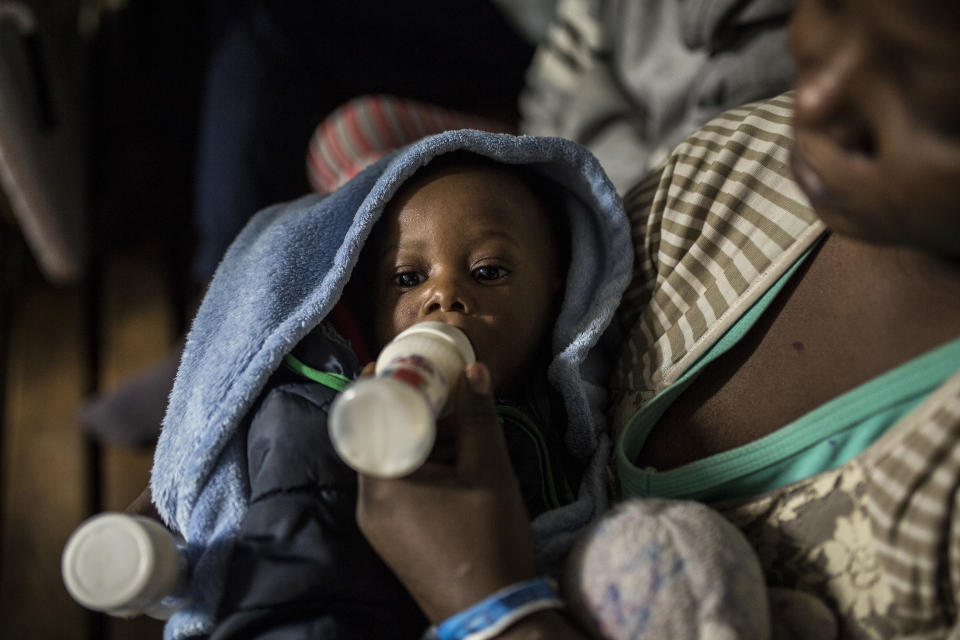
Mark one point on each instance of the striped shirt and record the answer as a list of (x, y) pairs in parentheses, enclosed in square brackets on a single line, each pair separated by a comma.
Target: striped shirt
[(878, 538)]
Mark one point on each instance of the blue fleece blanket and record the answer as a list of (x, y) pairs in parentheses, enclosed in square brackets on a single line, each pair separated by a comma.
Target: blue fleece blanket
[(283, 275)]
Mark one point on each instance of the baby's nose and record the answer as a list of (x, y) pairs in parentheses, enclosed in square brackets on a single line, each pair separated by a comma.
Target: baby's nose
[(447, 295)]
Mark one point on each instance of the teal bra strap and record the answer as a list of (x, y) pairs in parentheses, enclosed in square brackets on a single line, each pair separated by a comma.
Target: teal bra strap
[(335, 381)]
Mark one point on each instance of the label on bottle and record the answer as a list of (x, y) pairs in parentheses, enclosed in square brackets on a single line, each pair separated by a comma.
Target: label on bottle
[(420, 373)]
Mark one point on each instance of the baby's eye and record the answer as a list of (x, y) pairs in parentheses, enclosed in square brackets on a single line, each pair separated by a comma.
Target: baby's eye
[(489, 272), (407, 279)]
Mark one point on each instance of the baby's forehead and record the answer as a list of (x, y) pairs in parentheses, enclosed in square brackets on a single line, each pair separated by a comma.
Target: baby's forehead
[(523, 208), (500, 195), (483, 175)]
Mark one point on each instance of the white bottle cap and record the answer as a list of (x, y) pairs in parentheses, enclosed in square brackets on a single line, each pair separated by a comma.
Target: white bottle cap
[(460, 355), (448, 351), (120, 564)]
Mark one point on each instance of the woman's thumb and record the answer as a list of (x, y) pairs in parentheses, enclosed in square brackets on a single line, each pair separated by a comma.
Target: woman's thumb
[(479, 434)]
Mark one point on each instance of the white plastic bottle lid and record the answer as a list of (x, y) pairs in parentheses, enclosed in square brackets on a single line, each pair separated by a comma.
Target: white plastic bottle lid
[(120, 564), (445, 349), (463, 351)]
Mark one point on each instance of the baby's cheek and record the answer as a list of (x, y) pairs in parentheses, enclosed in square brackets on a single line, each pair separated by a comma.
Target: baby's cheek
[(406, 316), (403, 316), (389, 320), (506, 359)]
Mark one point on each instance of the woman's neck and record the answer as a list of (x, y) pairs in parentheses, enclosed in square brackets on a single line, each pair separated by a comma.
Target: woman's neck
[(909, 291)]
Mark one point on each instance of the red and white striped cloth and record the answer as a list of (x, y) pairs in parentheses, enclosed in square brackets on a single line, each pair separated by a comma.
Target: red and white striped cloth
[(362, 130)]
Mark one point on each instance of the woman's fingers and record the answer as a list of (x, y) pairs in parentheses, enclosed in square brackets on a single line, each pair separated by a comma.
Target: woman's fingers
[(453, 534), (481, 448)]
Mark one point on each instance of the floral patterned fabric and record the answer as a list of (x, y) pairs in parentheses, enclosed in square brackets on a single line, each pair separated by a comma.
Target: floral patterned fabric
[(839, 535), (814, 537)]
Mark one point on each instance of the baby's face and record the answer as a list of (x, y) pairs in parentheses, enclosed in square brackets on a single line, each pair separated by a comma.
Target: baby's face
[(470, 246), (877, 124)]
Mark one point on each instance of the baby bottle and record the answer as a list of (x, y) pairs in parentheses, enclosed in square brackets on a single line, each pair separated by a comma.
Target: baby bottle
[(124, 565), (386, 425)]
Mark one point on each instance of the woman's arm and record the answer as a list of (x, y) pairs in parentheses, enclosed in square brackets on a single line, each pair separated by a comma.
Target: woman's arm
[(456, 533)]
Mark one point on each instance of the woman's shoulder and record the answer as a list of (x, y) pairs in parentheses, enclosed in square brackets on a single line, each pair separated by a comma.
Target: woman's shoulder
[(728, 182), (719, 222)]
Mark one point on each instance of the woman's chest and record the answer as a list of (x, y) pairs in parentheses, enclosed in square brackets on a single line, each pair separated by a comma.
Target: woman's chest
[(832, 328)]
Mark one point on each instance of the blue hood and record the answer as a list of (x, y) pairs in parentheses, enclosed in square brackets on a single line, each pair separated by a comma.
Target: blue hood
[(282, 276)]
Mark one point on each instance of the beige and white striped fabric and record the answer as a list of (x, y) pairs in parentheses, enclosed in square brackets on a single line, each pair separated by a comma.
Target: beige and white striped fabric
[(721, 223), (878, 539)]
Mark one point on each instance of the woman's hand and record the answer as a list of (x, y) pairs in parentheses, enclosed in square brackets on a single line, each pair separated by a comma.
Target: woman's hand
[(454, 532)]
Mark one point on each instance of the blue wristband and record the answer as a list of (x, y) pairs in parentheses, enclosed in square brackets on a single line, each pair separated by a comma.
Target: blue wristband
[(493, 614)]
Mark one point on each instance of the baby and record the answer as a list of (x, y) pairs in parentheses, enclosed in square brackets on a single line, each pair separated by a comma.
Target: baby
[(466, 242), (519, 242)]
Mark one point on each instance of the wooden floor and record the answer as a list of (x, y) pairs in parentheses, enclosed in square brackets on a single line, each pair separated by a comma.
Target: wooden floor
[(52, 476)]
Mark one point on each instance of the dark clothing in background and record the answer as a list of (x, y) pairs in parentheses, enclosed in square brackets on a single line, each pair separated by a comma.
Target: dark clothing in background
[(277, 68)]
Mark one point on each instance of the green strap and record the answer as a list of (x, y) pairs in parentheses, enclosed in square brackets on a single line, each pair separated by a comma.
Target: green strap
[(339, 382), (335, 381), (548, 488)]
